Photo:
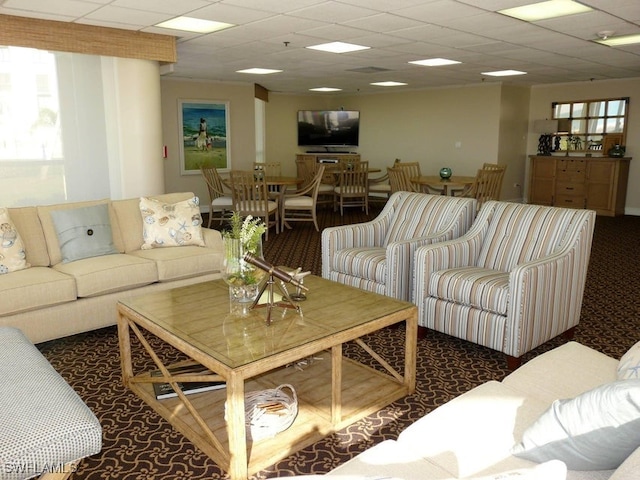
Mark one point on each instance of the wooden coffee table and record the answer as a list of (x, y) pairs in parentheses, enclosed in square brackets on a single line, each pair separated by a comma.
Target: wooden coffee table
[(333, 391)]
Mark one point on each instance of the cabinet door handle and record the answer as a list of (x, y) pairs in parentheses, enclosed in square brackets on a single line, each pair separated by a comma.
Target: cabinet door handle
[(569, 188)]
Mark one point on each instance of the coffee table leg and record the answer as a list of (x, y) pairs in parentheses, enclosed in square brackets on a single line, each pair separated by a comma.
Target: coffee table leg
[(125, 349), (238, 466), (336, 384)]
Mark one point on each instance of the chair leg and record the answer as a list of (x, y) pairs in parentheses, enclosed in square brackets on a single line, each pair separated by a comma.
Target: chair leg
[(422, 332), (513, 362)]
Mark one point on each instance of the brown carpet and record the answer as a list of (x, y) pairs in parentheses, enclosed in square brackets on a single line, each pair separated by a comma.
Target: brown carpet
[(139, 444)]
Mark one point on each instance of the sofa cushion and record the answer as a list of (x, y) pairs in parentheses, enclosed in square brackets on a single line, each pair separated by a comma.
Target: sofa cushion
[(130, 220), (34, 288), (12, 252), (171, 224), (110, 273), (83, 232), (629, 365), (182, 262), (564, 372), (473, 434), (50, 235), (28, 224), (596, 430)]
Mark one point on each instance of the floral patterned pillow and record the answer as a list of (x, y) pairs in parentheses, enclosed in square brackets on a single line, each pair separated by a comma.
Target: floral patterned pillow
[(171, 225), (12, 254)]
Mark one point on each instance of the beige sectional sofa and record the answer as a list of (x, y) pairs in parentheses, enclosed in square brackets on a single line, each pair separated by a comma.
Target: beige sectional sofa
[(473, 435), (53, 298)]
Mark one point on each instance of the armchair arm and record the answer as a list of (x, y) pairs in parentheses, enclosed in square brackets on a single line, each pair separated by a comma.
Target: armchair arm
[(561, 277)]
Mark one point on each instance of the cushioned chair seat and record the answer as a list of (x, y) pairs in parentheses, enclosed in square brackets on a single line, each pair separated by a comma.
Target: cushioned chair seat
[(477, 287), (109, 273), (370, 263), (34, 288), (183, 262)]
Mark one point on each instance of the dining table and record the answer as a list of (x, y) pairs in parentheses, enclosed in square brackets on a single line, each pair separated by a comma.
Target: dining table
[(445, 186)]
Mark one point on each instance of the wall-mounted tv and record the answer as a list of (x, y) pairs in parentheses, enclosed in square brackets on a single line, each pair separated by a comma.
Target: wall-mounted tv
[(328, 128)]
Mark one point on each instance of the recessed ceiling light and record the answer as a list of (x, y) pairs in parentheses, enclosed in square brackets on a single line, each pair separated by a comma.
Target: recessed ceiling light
[(620, 40), (338, 47), (195, 25), (434, 62), (388, 84), (325, 89), (259, 71), (504, 73), (544, 10)]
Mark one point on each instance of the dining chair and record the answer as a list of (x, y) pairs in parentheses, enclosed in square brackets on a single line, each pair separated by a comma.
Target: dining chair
[(301, 205), (353, 186), (380, 187), (486, 186), (399, 180), (219, 195), (270, 169), (250, 197), (307, 169)]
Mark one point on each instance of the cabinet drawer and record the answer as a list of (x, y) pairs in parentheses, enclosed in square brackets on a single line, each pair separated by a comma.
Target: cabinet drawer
[(570, 188), (570, 201), (571, 165)]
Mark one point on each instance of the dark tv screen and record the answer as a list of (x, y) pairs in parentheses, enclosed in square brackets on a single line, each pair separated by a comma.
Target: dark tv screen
[(328, 128)]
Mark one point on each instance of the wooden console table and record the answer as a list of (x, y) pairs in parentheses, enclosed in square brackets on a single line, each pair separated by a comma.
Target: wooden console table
[(595, 183)]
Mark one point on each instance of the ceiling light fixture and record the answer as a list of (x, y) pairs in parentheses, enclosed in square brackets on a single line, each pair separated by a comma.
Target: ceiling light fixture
[(434, 62), (258, 71), (194, 25), (504, 73), (325, 89), (388, 84), (619, 40), (338, 47), (544, 10)]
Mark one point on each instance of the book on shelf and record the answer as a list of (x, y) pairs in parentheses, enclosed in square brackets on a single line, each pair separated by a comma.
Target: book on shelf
[(165, 390)]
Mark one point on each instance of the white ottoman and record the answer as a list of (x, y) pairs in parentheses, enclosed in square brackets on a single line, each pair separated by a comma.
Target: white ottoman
[(45, 427)]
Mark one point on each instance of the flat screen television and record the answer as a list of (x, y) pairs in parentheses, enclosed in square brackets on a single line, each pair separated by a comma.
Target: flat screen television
[(328, 128)]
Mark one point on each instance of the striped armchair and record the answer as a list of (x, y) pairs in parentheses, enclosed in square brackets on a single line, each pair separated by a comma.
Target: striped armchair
[(514, 281), (377, 255)]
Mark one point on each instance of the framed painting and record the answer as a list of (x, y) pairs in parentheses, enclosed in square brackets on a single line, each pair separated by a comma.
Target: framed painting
[(204, 130)]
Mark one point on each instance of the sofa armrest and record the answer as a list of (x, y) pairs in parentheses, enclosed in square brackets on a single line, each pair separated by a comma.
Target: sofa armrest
[(212, 238)]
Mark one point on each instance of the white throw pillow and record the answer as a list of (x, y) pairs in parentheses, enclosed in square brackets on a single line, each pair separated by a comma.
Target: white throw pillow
[(171, 225), (596, 430), (12, 253), (629, 365)]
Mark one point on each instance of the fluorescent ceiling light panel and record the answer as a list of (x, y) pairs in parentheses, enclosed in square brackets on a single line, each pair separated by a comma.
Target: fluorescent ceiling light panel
[(325, 89), (258, 71), (434, 62), (504, 73), (621, 40), (544, 10), (388, 84), (338, 47), (195, 25)]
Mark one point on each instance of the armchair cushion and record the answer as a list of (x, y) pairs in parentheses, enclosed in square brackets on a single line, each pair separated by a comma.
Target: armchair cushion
[(368, 263), (473, 286)]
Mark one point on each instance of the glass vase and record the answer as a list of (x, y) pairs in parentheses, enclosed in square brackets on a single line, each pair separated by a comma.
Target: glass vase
[(244, 279)]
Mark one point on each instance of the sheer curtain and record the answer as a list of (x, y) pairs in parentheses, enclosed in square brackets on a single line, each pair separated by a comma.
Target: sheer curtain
[(72, 127)]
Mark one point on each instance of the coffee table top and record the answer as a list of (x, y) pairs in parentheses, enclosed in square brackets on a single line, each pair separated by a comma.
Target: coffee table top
[(198, 315)]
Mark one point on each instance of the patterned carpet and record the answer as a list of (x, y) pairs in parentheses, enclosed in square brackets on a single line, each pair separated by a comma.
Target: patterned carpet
[(139, 444)]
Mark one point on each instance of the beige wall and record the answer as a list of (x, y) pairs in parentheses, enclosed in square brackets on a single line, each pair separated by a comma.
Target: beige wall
[(241, 131), (542, 96), (512, 140), (419, 126)]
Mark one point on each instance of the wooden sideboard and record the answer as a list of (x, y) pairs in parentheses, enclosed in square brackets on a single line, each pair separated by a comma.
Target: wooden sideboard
[(596, 183), (317, 157)]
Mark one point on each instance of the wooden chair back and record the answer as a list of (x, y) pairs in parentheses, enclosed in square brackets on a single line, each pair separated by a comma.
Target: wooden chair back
[(487, 185), (353, 185), (251, 197), (399, 180)]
